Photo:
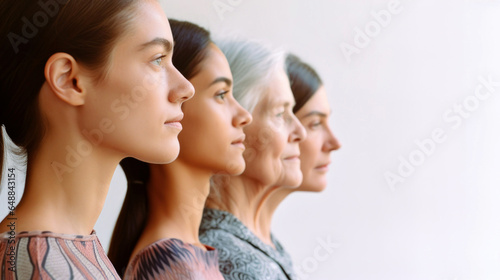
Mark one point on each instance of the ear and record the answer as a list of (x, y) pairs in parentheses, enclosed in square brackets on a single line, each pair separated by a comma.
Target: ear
[(64, 77)]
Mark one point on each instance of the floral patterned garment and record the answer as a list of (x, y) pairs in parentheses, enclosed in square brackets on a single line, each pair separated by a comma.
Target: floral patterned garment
[(242, 255), (174, 259), (47, 255)]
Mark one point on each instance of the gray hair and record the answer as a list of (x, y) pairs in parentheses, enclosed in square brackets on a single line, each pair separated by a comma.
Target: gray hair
[(253, 65)]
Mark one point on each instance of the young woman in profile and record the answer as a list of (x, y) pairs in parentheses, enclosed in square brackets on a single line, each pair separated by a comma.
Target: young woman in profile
[(231, 220), (83, 85), (157, 231)]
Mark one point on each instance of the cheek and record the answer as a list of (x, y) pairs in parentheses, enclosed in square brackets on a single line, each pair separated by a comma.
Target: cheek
[(123, 97), (206, 138), (260, 159), (309, 150), (137, 115), (278, 146), (194, 138), (274, 147)]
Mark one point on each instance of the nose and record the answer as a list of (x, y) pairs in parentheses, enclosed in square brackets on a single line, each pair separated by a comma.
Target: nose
[(298, 133), (331, 142), (241, 117), (180, 89)]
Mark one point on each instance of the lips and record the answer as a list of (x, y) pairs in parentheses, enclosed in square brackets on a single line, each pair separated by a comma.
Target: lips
[(292, 157), (175, 122), (239, 140), (322, 167)]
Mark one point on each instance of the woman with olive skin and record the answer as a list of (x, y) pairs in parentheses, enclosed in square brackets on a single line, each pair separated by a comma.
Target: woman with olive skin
[(313, 111), (230, 224), (165, 243), (56, 95)]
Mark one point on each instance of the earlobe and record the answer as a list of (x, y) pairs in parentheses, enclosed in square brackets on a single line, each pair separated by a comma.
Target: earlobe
[(64, 78)]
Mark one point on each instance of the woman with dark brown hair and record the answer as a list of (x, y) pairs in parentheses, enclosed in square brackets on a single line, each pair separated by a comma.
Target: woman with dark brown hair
[(157, 230), (84, 84), (313, 110)]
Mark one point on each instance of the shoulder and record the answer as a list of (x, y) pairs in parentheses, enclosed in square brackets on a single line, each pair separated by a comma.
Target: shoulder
[(238, 259), (172, 259), (175, 249), (222, 240), (47, 255)]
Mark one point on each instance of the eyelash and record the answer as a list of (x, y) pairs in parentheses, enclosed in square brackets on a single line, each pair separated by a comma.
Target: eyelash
[(160, 59), (222, 95), (315, 124)]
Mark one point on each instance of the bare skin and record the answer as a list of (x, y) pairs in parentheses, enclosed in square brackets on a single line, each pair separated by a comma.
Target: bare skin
[(64, 192), (212, 137), (315, 153), (177, 206), (272, 151), (246, 200)]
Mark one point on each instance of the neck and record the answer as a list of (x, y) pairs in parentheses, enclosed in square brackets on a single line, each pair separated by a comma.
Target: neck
[(177, 195), (65, 191), (246, 199), (270, 206)]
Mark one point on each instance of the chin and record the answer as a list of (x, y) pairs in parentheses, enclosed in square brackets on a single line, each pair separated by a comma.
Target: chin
[(234, 167), (312, 187), (167, 155), (292, 182)]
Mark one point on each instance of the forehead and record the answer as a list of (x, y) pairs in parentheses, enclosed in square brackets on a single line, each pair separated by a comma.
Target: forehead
[(147, 23), (318, 102), (213, 66), (278, 93)]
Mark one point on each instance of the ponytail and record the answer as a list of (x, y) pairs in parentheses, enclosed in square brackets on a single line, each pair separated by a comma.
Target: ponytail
[(133, 215)]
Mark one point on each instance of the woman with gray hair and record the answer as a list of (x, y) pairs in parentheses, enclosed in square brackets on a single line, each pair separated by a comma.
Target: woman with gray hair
[(231, 218)]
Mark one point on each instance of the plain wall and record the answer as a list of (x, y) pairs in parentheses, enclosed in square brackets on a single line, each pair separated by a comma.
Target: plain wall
[(402, 85)]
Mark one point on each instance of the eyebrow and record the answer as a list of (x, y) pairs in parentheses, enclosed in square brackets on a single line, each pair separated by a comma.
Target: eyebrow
[(315, 113), (228, 82), (281, 103), (166, 44)]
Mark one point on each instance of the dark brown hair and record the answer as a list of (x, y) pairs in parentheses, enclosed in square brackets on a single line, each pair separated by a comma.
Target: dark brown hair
[(191, 47), (31, 31), (304, 80)]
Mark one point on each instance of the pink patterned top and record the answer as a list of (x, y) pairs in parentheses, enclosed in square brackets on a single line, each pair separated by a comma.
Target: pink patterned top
[(174, 259), (47, 255)]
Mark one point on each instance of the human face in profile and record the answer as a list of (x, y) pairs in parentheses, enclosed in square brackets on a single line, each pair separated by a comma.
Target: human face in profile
[(272, 154), (213, 123), (320, 142), (139, 100)]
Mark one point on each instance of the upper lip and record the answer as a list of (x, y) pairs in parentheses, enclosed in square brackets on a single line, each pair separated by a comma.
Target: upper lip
[(292, 156), (239, 140), (178, 118), (324, 164)]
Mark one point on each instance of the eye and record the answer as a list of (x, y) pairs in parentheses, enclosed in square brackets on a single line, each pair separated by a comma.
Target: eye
[(280, 114), (158, 61), (222, 95), (315, 124)]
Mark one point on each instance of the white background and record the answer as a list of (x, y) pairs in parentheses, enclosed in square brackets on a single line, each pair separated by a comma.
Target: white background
[(442, 222)]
